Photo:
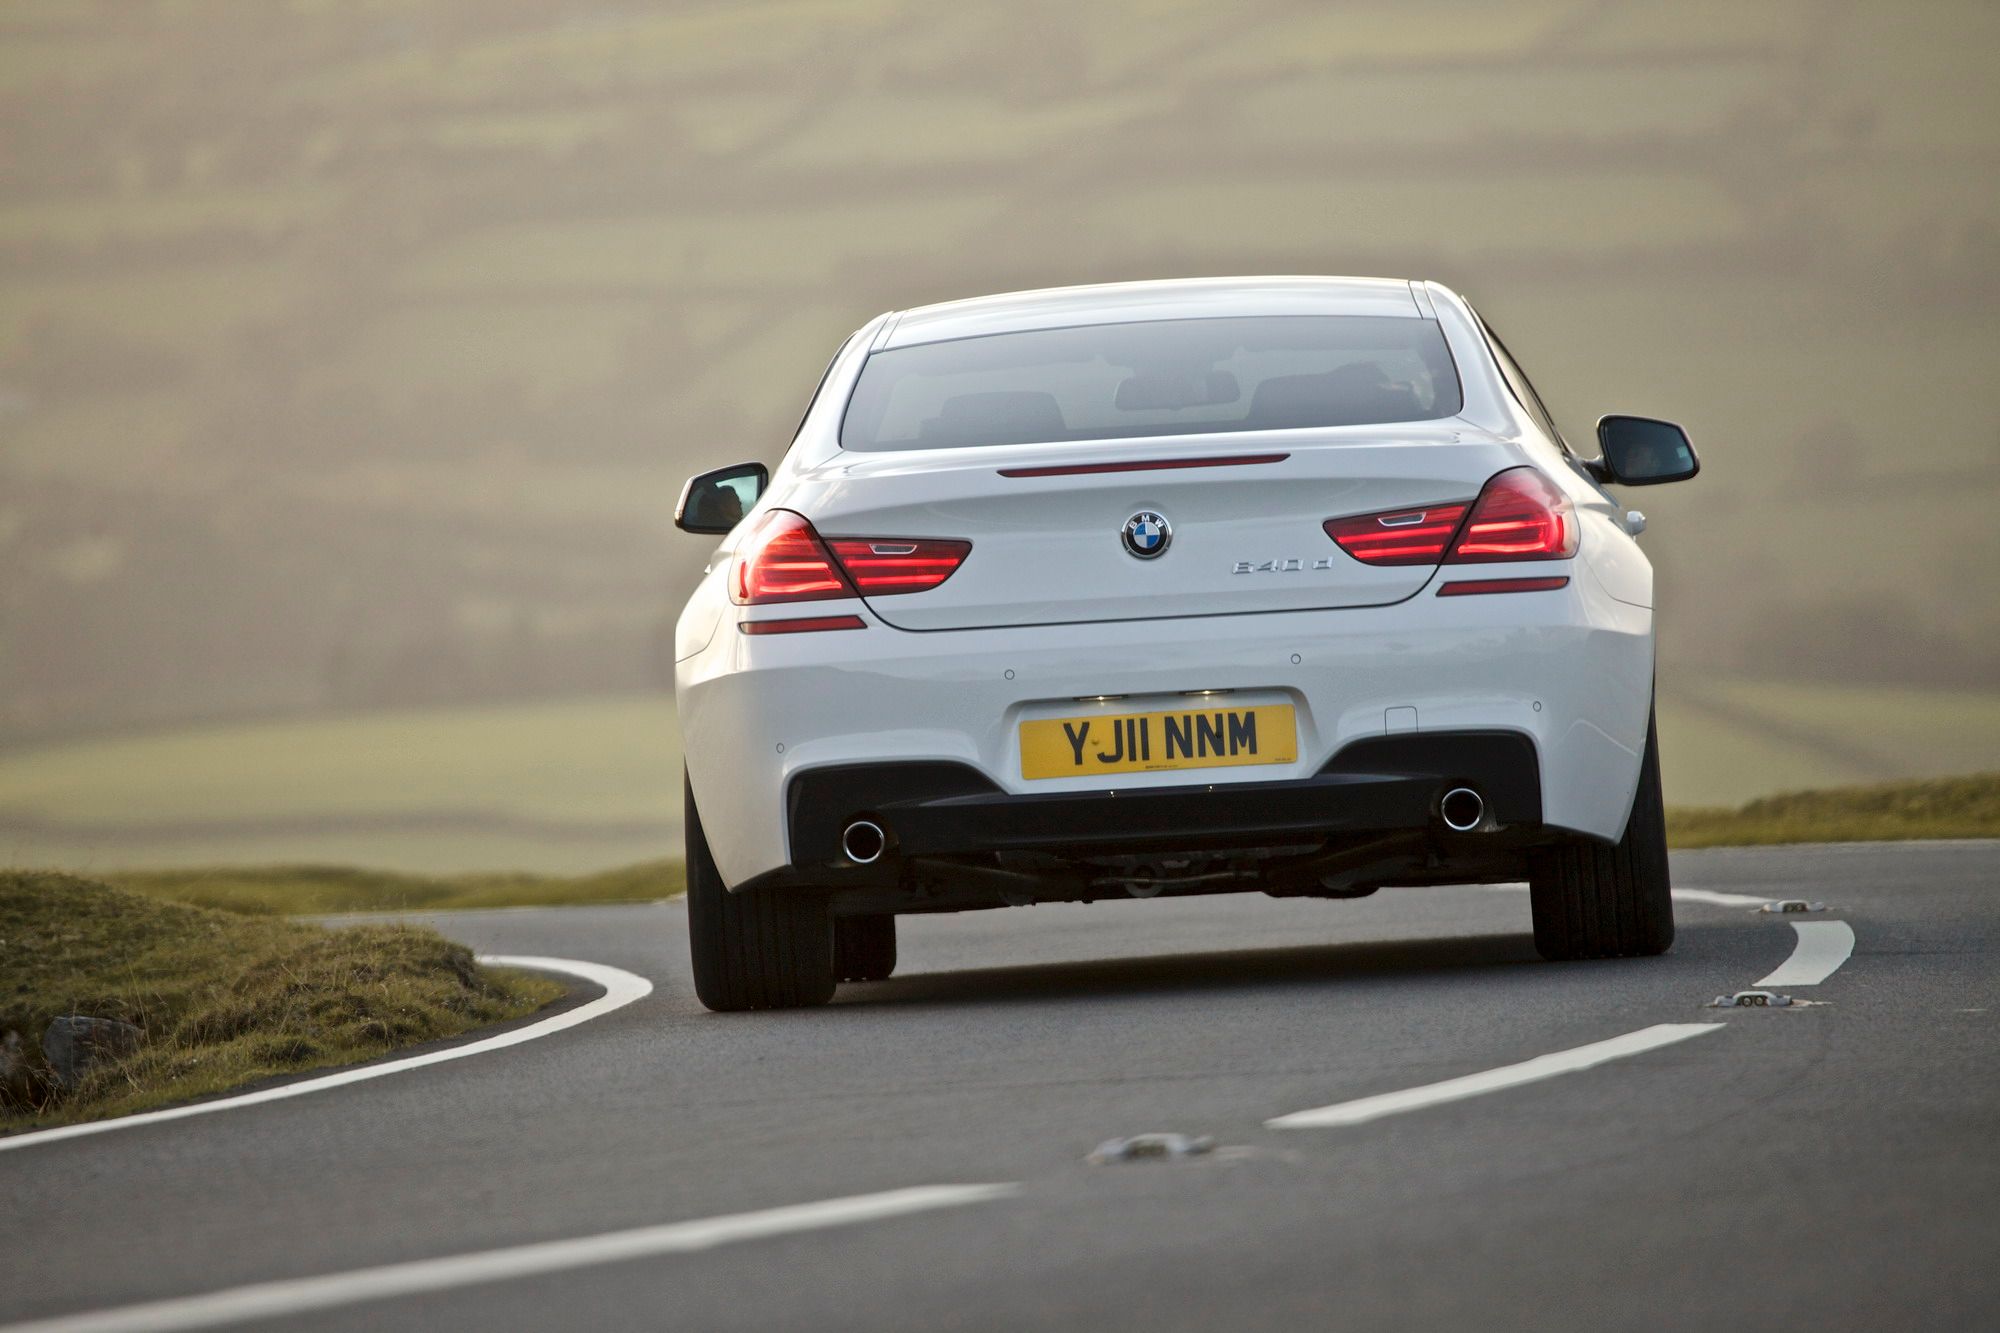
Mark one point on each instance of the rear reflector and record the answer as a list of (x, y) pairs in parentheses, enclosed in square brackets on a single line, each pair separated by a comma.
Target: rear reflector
[(1146, 465), (1473, 587), (783, 560), (801, 624), (1402, 537), (1519, 515), (880, 566)]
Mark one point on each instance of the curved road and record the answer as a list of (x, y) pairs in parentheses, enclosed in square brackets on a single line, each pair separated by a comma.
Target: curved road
[(1829, 1167)]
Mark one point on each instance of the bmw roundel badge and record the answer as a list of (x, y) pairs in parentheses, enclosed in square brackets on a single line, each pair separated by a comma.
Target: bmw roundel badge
[(1147, 535)]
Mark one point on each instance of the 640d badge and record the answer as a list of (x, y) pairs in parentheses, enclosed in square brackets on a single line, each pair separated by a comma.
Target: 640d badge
[(1295, 565)]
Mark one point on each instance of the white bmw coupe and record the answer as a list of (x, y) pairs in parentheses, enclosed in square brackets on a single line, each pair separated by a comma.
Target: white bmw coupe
[(1276, 584)]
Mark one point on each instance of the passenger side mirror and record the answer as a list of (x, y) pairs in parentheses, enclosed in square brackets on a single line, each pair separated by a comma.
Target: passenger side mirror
[(715, 502), (1640, 451)]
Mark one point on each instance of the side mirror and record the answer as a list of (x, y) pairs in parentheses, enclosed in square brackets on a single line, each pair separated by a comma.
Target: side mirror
[(1640, 451), (715, 502)]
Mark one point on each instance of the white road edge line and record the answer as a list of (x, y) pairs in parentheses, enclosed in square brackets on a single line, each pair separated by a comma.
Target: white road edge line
[(1822, 947), (1710, 896), (1492, 1080), (1718, 899), (295, 1296), (620, 989)]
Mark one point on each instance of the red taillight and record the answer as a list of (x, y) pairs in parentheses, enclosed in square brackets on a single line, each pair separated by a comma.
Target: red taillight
[(1405, 537), (1520, 515), (785, 561), (880, 566)]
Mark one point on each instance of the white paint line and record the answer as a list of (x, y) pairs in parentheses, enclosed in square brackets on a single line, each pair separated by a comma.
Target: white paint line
[(620, 989), (1492, 1080), (419, 913), (1823, 946), (296, 1296), (1719, 899), (1709, 896)]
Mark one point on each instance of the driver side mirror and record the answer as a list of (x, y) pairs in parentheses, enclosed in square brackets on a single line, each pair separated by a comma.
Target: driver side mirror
[(715, 502), (1640, 451)]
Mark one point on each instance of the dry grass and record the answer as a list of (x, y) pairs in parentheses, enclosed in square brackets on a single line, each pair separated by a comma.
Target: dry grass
[(1964, 807), (223, 999), (319, 890)]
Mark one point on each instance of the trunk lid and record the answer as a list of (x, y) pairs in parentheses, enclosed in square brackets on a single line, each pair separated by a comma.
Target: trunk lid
[(1244, 536)]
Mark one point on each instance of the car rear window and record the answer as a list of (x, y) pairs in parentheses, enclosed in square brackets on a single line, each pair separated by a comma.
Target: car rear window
[(1158, 377)]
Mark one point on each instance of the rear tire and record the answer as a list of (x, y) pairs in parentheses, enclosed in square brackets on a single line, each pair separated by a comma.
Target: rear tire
[(757, 949), (1596, 901), (864, 947)]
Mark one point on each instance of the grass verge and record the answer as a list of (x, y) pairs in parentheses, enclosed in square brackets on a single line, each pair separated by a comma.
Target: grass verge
[(222, 999), (311, 890), (1963, 807)]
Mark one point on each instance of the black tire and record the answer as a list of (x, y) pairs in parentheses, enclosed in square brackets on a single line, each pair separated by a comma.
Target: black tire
[(757, 949), (1591, 900), (864, 947)]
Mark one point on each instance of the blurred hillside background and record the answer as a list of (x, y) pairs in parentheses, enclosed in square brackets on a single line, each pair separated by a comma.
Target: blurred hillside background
[(352, 354)]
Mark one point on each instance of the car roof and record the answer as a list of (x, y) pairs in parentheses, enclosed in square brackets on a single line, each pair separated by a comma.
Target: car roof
[(1128, 302)]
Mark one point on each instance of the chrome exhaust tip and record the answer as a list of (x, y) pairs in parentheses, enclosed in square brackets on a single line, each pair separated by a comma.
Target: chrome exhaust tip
[(864, 841), (1462, 809)]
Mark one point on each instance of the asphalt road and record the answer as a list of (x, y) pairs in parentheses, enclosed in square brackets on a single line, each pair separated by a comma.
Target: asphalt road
[(1825, 1167)]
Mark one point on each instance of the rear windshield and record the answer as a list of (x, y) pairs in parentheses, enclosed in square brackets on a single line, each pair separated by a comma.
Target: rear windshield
[(1161, 377)]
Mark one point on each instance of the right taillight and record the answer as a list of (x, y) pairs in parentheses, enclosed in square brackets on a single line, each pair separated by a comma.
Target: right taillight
[(1519, 515), (1404, 537)]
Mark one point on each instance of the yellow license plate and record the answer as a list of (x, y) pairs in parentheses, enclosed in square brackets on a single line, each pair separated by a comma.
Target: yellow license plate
[(1072, 747)]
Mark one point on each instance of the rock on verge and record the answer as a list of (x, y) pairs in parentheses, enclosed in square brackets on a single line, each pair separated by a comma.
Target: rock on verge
[(73, 1044), (17, 1083)]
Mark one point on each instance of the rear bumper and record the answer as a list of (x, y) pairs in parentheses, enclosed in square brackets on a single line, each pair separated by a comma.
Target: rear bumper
[(1377, 785), (1568, 673)]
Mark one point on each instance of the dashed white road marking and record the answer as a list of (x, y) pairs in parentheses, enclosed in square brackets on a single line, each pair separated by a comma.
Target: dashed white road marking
[(620, 989), (295, 1296), (1492, 1080), (1709, 896), (1718, 899), (1822, 947)]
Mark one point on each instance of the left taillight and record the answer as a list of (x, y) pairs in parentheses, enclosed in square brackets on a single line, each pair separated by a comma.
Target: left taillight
[(785, 560), (882, 566)]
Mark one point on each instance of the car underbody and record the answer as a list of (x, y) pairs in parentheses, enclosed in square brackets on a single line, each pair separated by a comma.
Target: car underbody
[(940, 837)]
